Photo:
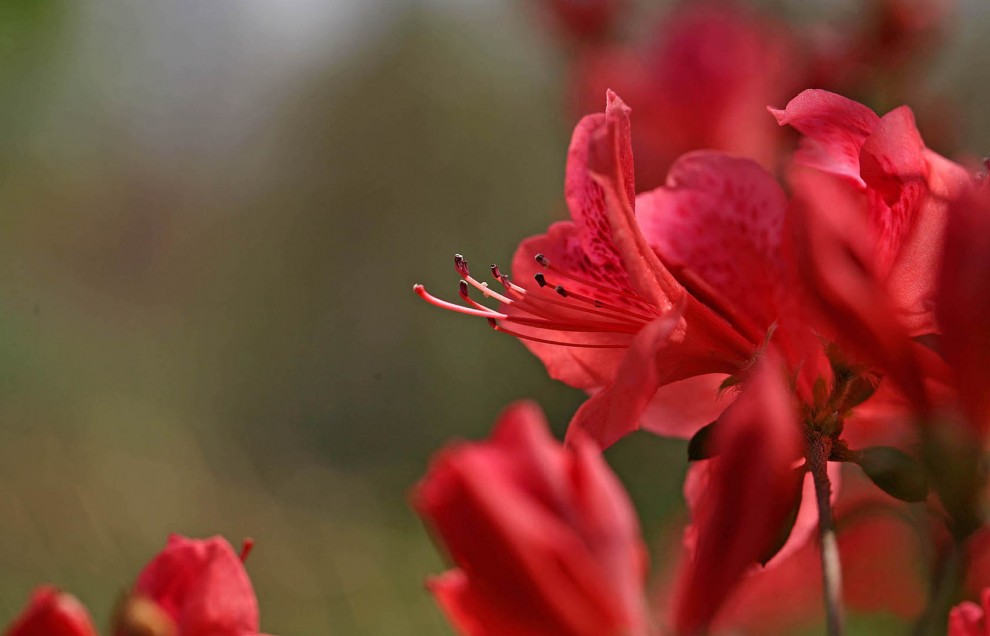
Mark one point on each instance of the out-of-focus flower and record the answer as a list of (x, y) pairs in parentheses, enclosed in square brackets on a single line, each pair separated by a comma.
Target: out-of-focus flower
[(193, 587), (879, 290), (859, 171), (754, 486), (51, 612), (701, 80), (883, 569), (964, 305), (903, 190), (543, 539), (583, 20), (970, 619)]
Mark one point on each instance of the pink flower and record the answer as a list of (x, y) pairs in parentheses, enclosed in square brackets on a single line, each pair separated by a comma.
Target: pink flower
[(194, 587), (543, 539), (52, 613), (635, 294), (970, 619)]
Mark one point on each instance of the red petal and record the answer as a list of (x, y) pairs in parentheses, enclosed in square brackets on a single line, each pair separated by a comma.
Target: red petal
[(834, 130), (912, 278), (836, 262), (964, 305), (610, 168), (722, 217), (893, 164), (681, 408), (751, 492)]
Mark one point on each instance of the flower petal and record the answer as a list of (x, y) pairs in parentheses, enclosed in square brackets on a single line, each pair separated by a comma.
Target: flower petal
[(753, 479), (834, 130), (722, 218)]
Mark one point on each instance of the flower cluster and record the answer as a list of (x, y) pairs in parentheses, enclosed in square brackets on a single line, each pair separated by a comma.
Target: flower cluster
[(193, 587), (821, 338)]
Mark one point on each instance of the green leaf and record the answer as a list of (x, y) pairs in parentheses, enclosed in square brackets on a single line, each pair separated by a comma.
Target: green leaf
[(700, 445), (895, 472)]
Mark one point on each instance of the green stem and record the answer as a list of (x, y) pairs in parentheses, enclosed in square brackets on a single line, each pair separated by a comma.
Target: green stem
[(819, 448), (945, 587)]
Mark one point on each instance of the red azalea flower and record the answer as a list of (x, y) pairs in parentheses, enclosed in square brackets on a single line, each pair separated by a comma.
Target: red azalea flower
[(701, 80), (899, 190), (970, 619), (608, 315), (544, 539), (52, 613), (197, 587)]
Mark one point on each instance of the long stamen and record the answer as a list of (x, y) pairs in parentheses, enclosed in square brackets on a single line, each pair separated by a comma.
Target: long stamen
[(567, 293), (545, 262), (497, 327), (443, 304), (523, 299), (585, 314)]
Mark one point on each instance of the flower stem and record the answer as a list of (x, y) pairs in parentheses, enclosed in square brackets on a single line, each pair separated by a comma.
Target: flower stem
[(945, 588), (819, 448)]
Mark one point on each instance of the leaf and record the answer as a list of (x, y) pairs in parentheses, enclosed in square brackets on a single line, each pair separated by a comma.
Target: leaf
[(700, 446), (895, 472)]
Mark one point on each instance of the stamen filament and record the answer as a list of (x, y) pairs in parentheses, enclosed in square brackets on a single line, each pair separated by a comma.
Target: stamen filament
[(497, 327), (443, 304)]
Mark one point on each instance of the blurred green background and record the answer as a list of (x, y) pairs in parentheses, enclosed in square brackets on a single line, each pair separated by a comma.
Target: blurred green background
[(212, 216)]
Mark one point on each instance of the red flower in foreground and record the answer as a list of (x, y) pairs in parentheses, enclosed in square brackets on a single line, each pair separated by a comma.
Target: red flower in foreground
[(679, 286), (52, 613), (970, 619), (200, 587), (544, 539)]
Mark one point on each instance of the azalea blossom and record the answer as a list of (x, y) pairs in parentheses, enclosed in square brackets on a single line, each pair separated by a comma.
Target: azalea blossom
[(192, 587), (51, 612), (678, 285), (543, 539)]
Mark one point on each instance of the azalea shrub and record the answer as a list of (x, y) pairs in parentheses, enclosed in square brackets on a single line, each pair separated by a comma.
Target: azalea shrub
[(796, 285)]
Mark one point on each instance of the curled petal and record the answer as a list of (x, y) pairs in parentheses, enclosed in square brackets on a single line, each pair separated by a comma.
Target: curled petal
[(544, 540), (834, 128)]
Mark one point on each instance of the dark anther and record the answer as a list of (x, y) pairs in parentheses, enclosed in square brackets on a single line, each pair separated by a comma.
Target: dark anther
[(560, 290), (542, 260), (495, 272), (463, 288), (541, 279), (460, 264), (492, 323)]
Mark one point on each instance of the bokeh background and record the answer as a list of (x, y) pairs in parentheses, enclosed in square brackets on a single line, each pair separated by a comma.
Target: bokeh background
[(211, 217)]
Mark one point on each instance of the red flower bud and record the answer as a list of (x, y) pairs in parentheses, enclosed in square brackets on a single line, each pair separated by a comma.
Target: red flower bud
[(52, 613), (544, 540)]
